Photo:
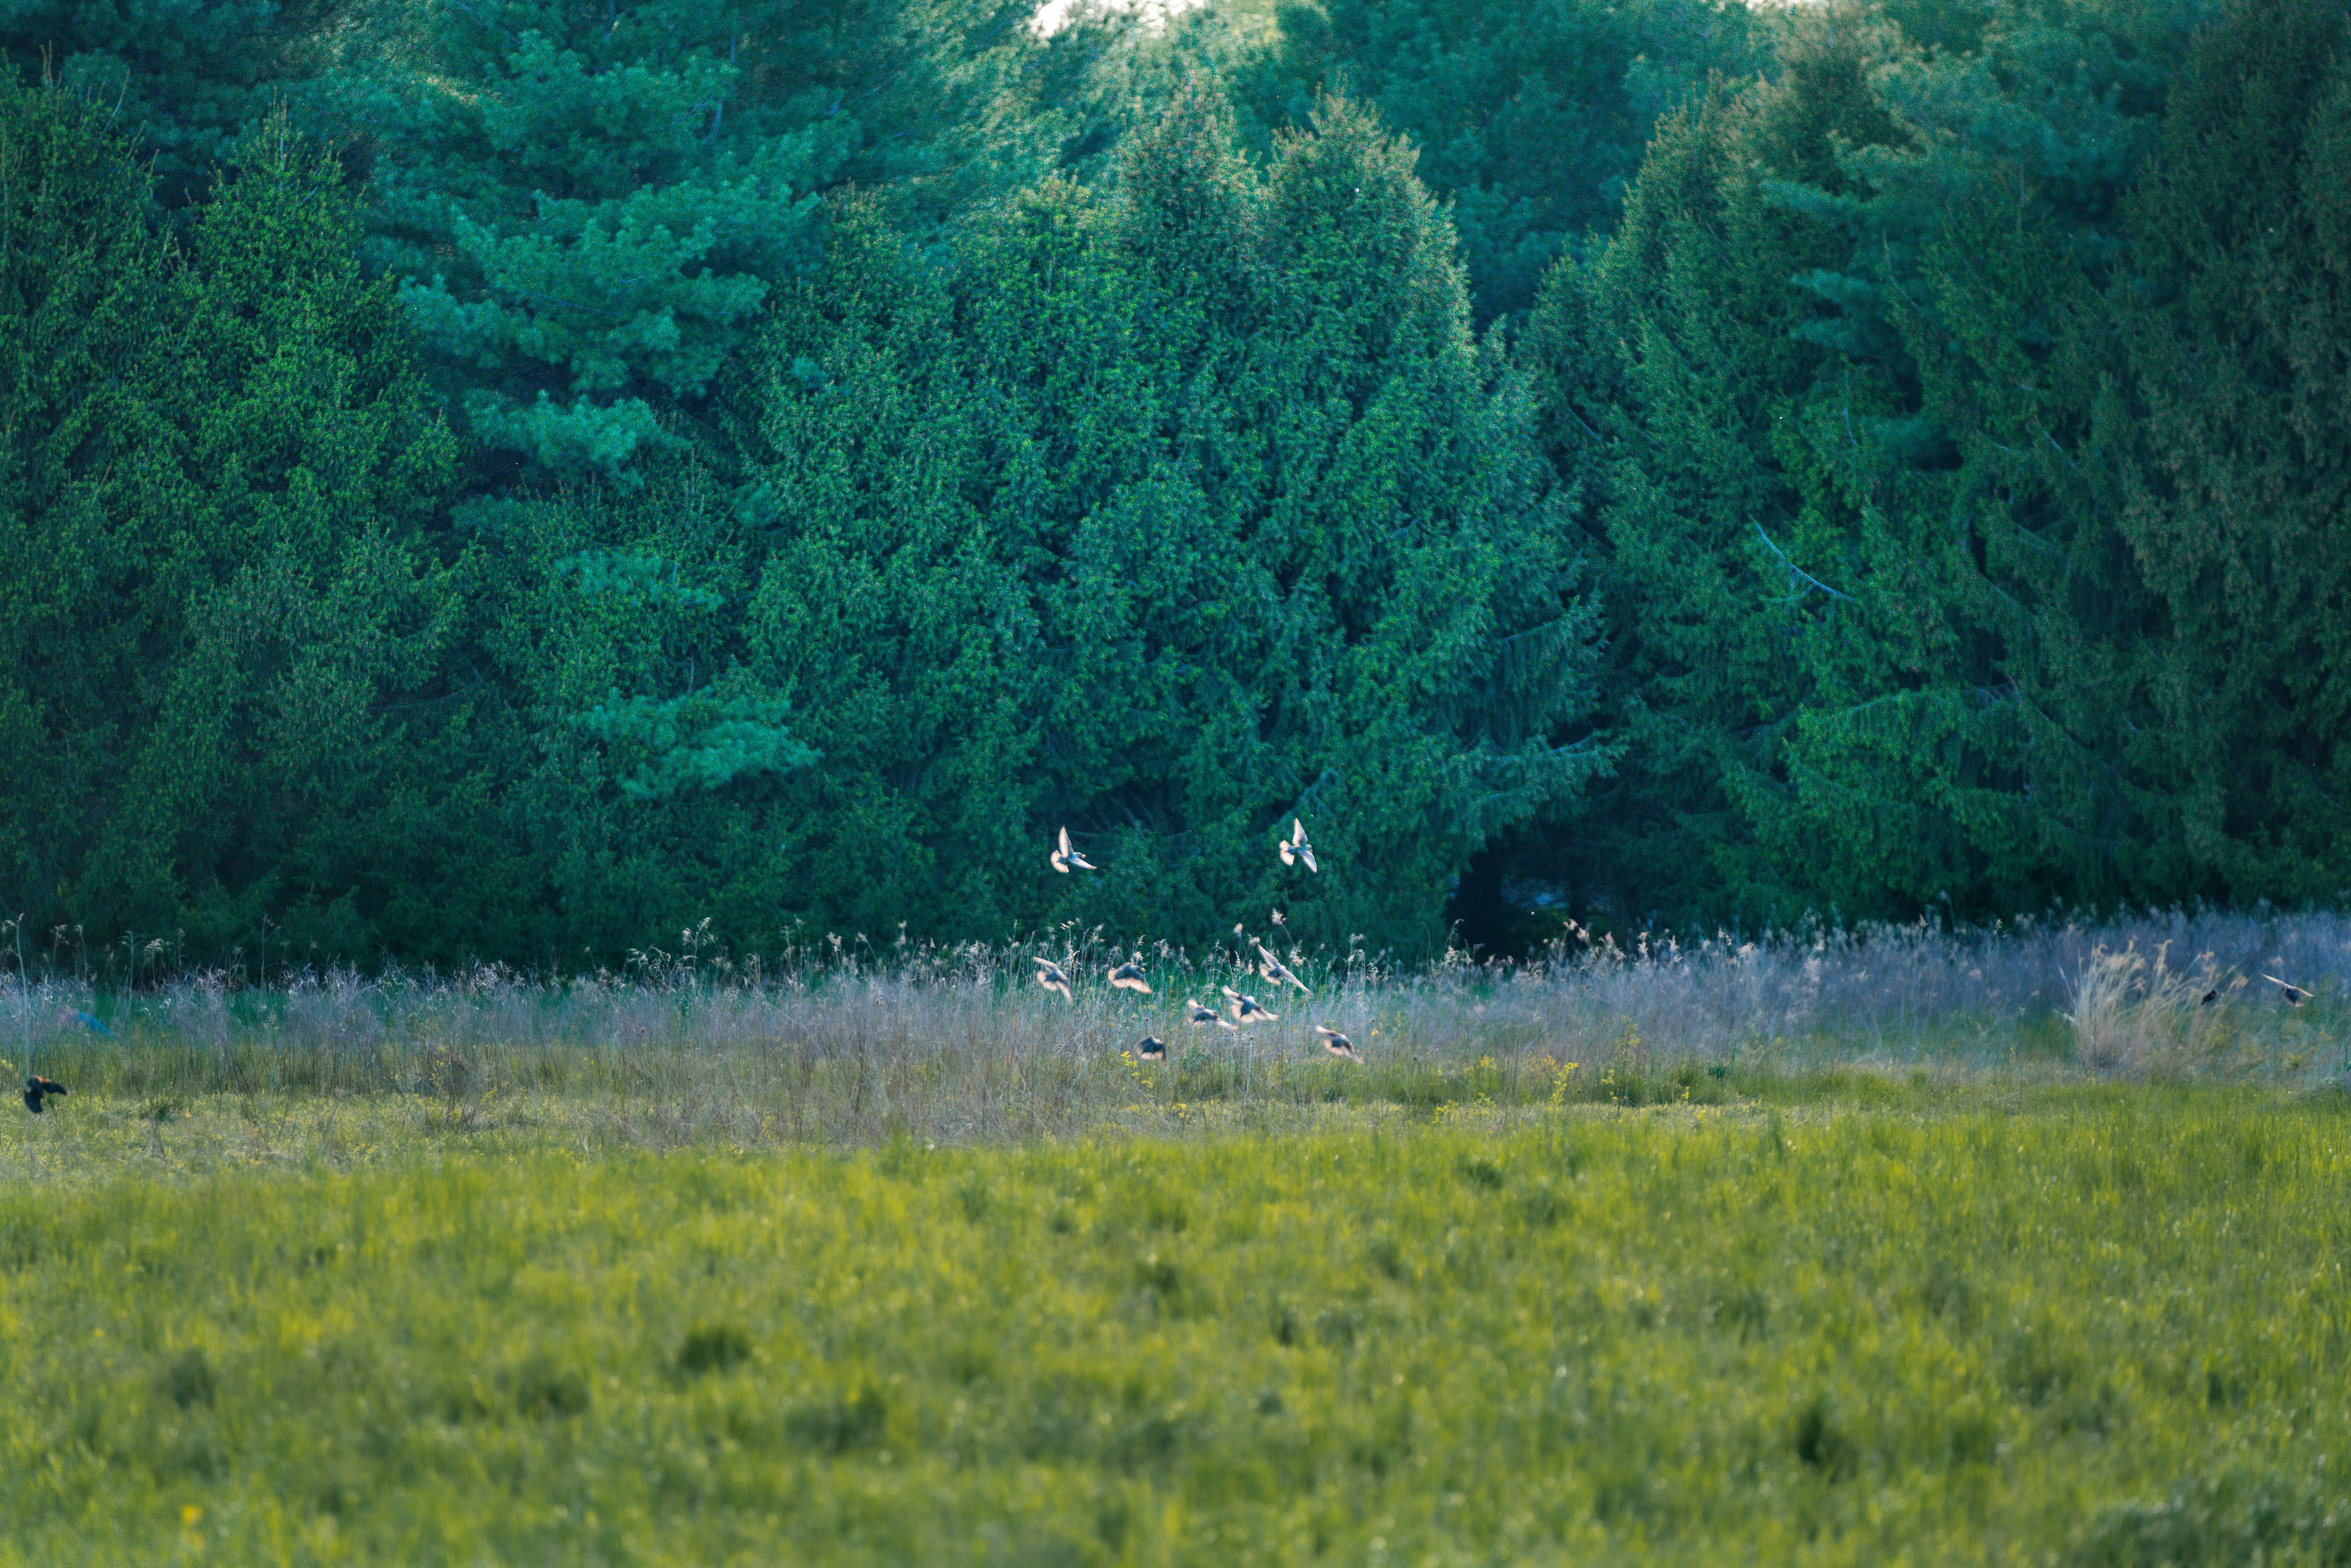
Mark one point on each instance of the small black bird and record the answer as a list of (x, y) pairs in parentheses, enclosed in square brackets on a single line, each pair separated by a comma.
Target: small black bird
[(1049, 976), (2295, 995), (37, 1091), (1202, 1017), (1129, 977), (1149, 1049), (1334, 1042), (1249, 1010), (2212, 996)]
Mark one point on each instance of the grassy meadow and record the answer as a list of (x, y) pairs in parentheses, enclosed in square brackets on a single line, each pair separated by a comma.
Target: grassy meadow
[(1847, 1252)]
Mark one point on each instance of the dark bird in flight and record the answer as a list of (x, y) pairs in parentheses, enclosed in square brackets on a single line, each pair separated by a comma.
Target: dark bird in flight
[(1273, 969), (1202, 1017), (1248, 1010), (38, 1091), (1150, 1049), (1334, 1042), (2295, 995), (1295, 848), (1128, 976), (1049, 976), (1065, 857)]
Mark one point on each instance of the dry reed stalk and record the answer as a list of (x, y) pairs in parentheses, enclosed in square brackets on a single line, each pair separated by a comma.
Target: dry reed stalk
[(843, 1043)]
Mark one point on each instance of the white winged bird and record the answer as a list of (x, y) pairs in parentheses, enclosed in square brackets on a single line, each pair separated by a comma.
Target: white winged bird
[(1334, 1042), (2295, 995), (1202, 1017), (1065, 857), (1049, 976), (1295, 848), (1248, 1010), (1274, 969), (1128, 976), (1150, 1049)]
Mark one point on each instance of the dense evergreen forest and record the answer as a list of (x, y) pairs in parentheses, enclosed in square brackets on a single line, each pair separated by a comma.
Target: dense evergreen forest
[(517, 479)]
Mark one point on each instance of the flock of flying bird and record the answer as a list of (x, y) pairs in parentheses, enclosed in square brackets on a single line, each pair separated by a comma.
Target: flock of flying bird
[(1245, 1010), (1127, 976)]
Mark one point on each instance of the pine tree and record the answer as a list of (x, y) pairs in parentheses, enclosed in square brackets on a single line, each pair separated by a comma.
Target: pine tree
[(631, 790), (900, 621), (307, 478), (587, 205)]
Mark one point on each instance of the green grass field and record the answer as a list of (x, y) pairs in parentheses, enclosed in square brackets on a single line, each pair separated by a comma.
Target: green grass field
[(1887, 1322)]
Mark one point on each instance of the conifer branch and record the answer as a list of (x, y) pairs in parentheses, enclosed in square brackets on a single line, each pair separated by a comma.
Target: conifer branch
[(1799, 571)]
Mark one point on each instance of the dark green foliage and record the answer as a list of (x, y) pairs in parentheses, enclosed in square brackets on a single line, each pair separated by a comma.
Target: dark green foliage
[(310, 609), (850, 1421), (1820, 1443), (639, 782), (546, 1389), (2137, 511), (1170, 517), (1680, 386), (714, 1347), (1924, 764), (81, 309), (219, 476), (1530, 118), (1870, 388), (587, 205), (2221, 453), (580, 472), (189, 1380), (184, 83)]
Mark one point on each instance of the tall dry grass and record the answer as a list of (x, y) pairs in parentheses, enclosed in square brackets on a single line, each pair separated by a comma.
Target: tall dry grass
[(2136, 1012), (842, 1040)]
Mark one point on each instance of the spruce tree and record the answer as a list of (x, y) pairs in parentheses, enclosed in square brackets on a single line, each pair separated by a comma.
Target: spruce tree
[(296, 526), (183, 81), (2137, 523), (221, 477), (1530, 119), (1215, 516), (1776, 387), (2223, 458), (81, 306), (1675, 367)]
